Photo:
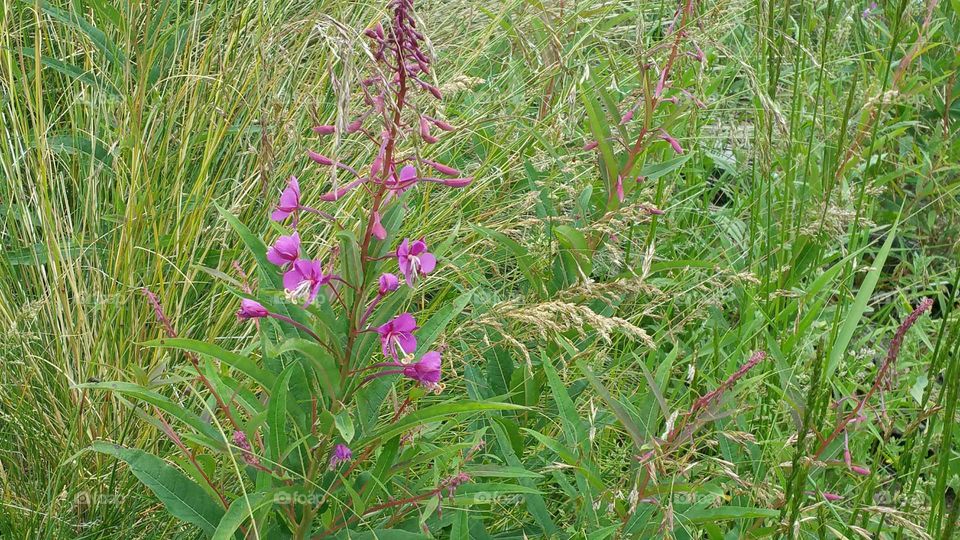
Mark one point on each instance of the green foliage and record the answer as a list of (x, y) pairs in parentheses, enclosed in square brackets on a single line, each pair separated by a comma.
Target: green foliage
[(815, 204)]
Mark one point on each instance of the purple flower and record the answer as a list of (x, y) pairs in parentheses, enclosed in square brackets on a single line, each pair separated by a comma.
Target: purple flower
[(251, 309), (289, 201), (286, 250), (341, 454), (414, 259), (304, 280), (426, 371), (406, 178), (397, 333), (388, 283), (324, 130)]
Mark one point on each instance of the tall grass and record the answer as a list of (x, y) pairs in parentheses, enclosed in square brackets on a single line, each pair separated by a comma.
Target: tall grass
[(818, 205)]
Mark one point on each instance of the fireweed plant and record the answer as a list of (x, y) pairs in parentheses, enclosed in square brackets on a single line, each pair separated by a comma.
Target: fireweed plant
[(310, 453), (646, 120)]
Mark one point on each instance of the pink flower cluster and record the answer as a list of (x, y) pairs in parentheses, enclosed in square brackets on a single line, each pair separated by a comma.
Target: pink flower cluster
[(389, 117)]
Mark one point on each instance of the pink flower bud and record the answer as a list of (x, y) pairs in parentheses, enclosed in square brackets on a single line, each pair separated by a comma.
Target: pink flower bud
[(355, 126), (627, 116), (424, 128), (379, 232), (862, 471), (673, 142), (591, 145), (433, 90), (832, 496), (440, 167), (443, 125), (321, 159), (324, 130)]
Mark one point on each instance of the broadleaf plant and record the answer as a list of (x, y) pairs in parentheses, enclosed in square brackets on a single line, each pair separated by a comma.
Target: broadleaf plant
[(308, 449)]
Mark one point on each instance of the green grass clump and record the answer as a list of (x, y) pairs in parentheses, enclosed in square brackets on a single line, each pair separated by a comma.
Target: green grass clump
[(814, 207)]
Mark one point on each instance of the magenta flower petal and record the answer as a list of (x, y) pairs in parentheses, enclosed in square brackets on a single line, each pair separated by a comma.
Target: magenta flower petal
[(341, 454), (289, 201), (414, 259), (427, 371), (388, 283), (404, 323), (396, 336), (285, 250), (427, 263), (408, 174), (304, 280), (379, 232)]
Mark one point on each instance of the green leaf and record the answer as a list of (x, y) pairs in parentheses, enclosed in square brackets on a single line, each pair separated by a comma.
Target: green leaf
[(277, 415), (241, 509), (653, 171), (74, 72), (163, 403), (345, 425), (707, 515), (232, 359), (575, 243), (351, 269), (256, 246), (852, 318), (622, 415), (433, 412), (182, 497), (99, 39), (433, 328), (380, 534), (325, 366), (524, 260)]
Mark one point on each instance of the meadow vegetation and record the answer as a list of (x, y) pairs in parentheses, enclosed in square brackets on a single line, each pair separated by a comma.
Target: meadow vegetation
[(697, 270)]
